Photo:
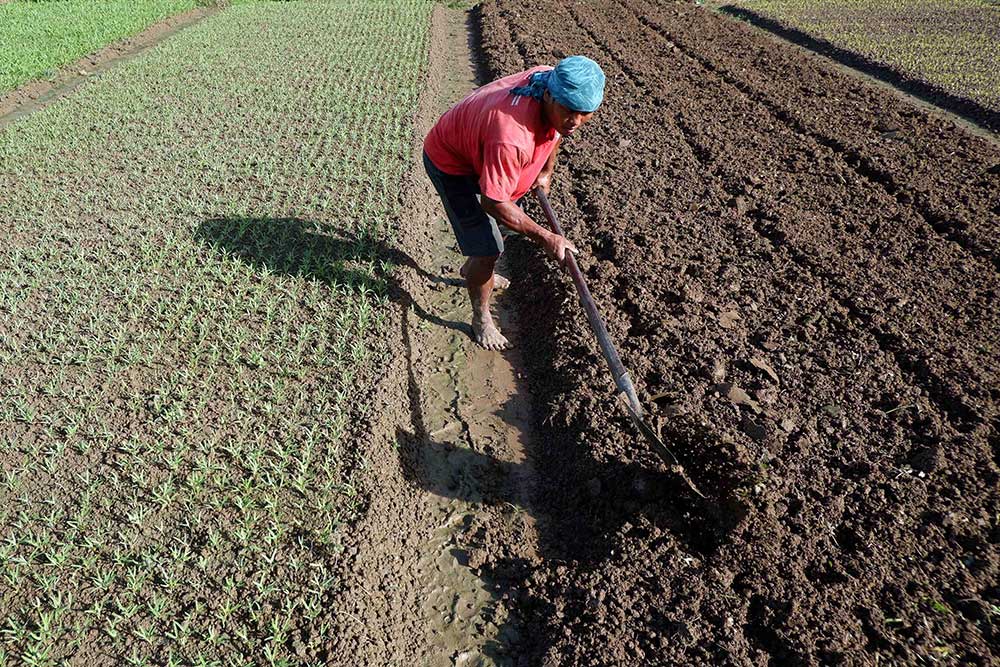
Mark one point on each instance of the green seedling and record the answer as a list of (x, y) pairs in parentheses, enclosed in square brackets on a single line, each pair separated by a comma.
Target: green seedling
[(198, 282)]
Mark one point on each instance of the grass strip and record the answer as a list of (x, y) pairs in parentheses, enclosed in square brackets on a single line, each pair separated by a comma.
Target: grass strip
[(36, 38), (951, 44)]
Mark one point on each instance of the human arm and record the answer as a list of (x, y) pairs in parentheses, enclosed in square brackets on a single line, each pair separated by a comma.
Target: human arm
[(502, 164), (544, 179), (511, 216)]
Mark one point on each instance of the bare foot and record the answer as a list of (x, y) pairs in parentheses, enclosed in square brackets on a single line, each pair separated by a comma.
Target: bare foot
[(499, 282), (487, 334)]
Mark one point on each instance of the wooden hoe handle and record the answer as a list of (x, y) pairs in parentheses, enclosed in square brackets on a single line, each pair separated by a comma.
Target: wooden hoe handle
[(621, 377)]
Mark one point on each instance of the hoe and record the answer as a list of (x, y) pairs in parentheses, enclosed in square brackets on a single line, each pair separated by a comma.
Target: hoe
[(621, 376)]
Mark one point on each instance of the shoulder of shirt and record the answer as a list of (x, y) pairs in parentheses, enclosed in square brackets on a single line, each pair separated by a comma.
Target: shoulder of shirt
[(507, 144), (522, 153)]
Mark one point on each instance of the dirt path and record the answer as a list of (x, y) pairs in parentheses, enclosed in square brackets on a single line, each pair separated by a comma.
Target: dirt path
[(453, 467)]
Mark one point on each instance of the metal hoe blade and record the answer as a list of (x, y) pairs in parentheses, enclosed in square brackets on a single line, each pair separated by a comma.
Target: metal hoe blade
[(635, 411)]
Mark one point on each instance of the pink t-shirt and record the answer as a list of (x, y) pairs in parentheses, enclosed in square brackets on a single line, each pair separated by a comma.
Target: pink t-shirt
[(499, 137)]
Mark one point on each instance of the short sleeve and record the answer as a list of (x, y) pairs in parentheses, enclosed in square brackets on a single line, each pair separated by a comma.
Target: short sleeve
[(502, 165)]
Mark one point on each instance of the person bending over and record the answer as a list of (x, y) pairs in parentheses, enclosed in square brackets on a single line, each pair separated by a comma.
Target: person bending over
[(490, 149)]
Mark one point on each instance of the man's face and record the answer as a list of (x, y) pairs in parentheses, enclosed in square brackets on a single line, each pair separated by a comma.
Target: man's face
[(563, 119)]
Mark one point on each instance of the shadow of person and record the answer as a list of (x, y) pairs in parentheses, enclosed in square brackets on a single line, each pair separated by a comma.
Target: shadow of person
[(579, 502), (313, 250), (451, 470), (294, 247)]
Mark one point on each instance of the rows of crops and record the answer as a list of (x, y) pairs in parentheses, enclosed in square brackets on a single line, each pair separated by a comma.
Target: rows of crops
[(951, 44), (38, 37), (190, 309)]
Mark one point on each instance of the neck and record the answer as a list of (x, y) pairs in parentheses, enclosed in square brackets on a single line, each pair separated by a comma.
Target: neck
[(543, 109)]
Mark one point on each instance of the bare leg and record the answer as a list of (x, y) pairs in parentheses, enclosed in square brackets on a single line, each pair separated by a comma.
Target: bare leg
[(499, 282), (478, 272)]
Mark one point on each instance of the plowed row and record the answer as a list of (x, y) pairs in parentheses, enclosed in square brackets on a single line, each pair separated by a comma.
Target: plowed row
[(803, 272)]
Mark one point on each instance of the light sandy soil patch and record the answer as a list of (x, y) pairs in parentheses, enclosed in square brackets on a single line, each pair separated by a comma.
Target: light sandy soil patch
[(454, 455)]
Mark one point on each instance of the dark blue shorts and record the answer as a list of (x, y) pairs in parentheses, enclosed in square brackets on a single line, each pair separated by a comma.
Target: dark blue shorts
[(477, 233)]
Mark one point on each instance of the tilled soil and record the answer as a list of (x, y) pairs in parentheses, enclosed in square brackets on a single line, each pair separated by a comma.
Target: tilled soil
[(937, 51), (802, 273)]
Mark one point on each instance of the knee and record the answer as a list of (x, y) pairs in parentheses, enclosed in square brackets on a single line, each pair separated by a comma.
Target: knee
[(479, 269), (487, 262)]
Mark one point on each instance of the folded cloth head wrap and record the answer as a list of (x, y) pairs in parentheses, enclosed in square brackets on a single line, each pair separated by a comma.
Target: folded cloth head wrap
[(577, 83)]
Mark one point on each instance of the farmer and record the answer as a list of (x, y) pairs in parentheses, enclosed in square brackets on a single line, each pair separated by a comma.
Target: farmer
[(489, 150)]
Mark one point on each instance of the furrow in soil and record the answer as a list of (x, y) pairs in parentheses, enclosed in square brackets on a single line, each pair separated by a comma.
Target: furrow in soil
[(817, 354), (951, 187)]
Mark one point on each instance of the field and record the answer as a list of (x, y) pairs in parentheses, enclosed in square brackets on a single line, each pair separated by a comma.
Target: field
[(192, 315), (37, 37), (803, 272), (242, 421), (945, 50)]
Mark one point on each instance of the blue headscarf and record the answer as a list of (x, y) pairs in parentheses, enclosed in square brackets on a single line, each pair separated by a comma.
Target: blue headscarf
[(577, 83)]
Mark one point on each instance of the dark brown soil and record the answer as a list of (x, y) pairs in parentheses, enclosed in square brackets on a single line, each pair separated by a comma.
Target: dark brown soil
[(802, 273), (899, 25)]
